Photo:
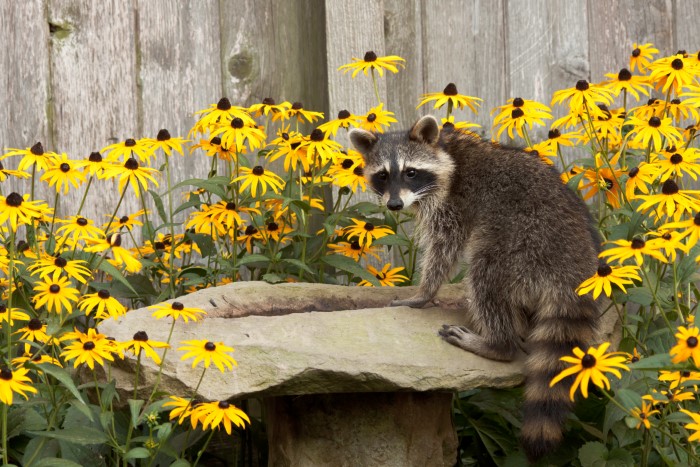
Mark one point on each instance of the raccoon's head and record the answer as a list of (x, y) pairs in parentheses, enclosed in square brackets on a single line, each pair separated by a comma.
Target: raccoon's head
[(405, 168)]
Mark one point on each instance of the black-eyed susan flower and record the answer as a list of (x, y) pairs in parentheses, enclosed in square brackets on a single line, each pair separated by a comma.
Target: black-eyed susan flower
[(166, 143), (258, 177), (37, 359), (57, 265), (669, 243), (690, 229), (448, 123), (78, 227), (638, 179), (268, 106), (387, 277), (452, 98), (102, 305), (141, 343), (56, 293), (298, 111), (16, 209), (127, 222), (376, 119), (686, 345), (636, 248), (353, 250), (371, 62), (348, 172), (624, 80), (665, 397), (653, 130), (34, 331), (693, 426), (250, 235), (219, 114), (591, 366), (672, 202), (182, 409), (176, 310), (517, 113), (14, 381), (674, 162), (606, 276), (692, 95), (678, 378), (679, 110), (225, 215), (208, 352), (318, 145), (128, 149), (90, 348), (133, 173), (214, 414), (63, 173), (5, 173), (33, 157), (122, 256), (238, 136), (673, 72), (366, 232), (642, 415), (203, 223), (605, 181), (345, 120), (289, 145), (94, 165), (583, 93), (9, 315), (641, 56)]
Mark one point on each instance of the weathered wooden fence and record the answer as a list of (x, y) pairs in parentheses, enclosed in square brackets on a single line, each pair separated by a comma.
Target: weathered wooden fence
[(80, 74)]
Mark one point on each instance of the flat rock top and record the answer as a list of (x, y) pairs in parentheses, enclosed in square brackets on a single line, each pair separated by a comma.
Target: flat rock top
[(369, 349)]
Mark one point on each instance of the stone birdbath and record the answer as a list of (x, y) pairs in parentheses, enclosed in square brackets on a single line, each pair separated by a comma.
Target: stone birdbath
[(344, 379)]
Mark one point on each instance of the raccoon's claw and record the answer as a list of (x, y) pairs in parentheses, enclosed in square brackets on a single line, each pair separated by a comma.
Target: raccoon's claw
[(413, 302)]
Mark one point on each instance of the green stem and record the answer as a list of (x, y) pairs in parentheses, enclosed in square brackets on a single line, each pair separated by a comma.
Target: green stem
[(172, 231), (5, 457), (376, 88), (82, 201), (204, 448), (160, 367), (116, 209)]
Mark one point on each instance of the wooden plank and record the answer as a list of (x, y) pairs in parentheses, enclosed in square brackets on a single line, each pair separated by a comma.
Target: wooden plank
[(546, 51), (93, 87), (686, 31), (24, 81), (464, 43), (614, 25)]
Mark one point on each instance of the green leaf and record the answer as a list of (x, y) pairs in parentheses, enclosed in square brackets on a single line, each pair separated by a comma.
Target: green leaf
[(21, 418), (591, 454), (653, 362), (299, 264), (628, 398), (619, 457), (640, 295), (138, 453), (272, 278), (574, 181), (215, 185), (135, 406), (75, 435), (204, 242), (180, 463), (55, 462), (349, 265), (159, 206), (253, 258), (107, 267), (62, 376), (393, 240)]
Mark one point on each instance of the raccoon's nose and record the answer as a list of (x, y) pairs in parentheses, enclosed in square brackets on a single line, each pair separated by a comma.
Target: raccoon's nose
[(394, 204)]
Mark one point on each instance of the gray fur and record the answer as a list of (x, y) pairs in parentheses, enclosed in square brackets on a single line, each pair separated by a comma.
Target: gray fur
[(527, 240)]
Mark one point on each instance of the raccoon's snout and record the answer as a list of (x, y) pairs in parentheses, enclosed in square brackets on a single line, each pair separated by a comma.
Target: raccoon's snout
[(395, 204)]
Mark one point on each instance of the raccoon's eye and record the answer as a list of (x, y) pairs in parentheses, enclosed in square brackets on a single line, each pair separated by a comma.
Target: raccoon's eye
[(410, 173), (382, 175)]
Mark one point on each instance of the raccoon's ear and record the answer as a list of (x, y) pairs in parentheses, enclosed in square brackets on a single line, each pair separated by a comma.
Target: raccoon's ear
[(363, 140), (426, 130)]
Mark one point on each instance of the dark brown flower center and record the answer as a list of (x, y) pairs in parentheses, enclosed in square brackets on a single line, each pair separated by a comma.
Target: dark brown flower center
[(669, 187), (215, 141), (273, 227), (230, 206), (141, 336), (60, 262), (237, 123), (450, 90), (676, 159), (370, 56), (696, 219), (380, 275), (371, 117), (358, 171), (297, 106), (37, 149), (604, 270), (677, 64), (582, 85), (355, 245), (124, 219), (268, 101), (54, 288), (588, 361), (130, 143), (177, 306), (343, 114), (316, 135), (675, 101), (692, 342), (624, 75), (159, 246), (81, 221), (14, 200), (258, 170), (34, 324), (89, 345), (685, 374), (103, 294), (163, 135), (636, 52), (22, 246), (517, 113), (666, 236), (210, 346), (64, 167), (6, 374), (654, 122), (633, 173), (637, 243), (609, 184), (115, 240), (95, 157), (347, 163), (369, 226), (250, 230), (131, 164), (518, 102), (223, 104), (224, 405)]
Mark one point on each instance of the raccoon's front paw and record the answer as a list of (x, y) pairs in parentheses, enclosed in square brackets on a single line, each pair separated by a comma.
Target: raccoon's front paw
[(413, 302)]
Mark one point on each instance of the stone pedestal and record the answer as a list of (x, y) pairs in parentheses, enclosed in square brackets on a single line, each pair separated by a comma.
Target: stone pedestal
[(370, 429)]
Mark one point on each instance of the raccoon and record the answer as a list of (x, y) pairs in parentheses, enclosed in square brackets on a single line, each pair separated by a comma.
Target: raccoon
[(528, 242)]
